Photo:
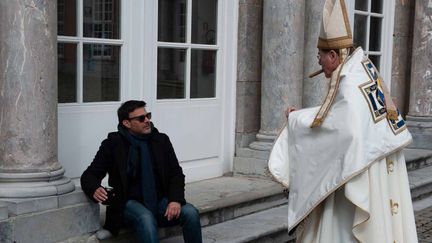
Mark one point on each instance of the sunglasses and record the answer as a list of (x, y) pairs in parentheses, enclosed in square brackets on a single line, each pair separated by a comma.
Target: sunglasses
[(142, 117)]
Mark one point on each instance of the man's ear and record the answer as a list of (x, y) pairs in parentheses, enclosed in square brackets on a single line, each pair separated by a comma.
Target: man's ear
[(126, 123), (334, 56)]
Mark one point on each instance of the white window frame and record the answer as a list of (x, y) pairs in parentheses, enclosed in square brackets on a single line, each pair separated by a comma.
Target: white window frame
[(80, 41), (188, 46), (386, 34)]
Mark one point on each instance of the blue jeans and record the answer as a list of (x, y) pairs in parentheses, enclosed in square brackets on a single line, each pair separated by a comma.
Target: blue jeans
[(145, 223)]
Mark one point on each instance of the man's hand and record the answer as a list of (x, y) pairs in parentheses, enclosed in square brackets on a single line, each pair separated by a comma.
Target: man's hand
[(100, 195), (173, 210), (288, 110)]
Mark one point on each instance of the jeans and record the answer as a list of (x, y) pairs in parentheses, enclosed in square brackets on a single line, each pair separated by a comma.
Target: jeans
[(145, 223)]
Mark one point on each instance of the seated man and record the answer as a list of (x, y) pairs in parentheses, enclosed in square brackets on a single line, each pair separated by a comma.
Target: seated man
[(147, 180)]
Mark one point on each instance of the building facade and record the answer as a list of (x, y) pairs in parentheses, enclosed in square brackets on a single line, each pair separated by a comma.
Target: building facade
[(217, 76)]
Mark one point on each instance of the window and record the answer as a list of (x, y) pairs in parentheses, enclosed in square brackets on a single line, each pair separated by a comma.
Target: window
[(89, 48), (368, 24), (187, 49)]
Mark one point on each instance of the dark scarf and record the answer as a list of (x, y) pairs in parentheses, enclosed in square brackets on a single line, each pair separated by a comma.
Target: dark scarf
[(139, 161)]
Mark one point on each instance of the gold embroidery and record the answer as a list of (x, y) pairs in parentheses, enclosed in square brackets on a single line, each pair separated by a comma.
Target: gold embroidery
[(394, 207), (390, 166)]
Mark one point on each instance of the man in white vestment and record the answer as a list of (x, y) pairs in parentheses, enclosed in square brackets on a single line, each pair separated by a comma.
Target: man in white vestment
[(343, 161)]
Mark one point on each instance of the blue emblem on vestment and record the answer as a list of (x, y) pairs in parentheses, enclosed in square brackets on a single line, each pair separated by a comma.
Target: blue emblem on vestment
[(374, 95)]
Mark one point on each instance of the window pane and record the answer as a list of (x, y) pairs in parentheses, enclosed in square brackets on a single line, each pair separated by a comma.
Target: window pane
[(67, 72), (203, 74), (102, 19), (375, 60), (360, 24), (66, 17), (375, 34), (204, 21), (171, 73), (172, 20), (101, 73), (361, 5), (376, 6)]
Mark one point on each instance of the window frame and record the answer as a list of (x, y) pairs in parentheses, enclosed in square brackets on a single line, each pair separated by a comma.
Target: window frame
[(189, 46), (80, 41), (387, 29)]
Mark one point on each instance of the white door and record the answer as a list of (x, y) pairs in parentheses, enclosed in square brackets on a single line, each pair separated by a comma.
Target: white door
[(176, 55)]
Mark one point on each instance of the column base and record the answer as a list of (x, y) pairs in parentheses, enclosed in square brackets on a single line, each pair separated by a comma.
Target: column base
[(252, 161), (421, 130), (48, 219), (34, 184)]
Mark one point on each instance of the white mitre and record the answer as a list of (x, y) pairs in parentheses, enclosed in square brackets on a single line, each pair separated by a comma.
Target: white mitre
[(335, 29)]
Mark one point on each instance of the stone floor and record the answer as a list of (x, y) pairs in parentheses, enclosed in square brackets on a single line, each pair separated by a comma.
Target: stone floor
[(424, 225)]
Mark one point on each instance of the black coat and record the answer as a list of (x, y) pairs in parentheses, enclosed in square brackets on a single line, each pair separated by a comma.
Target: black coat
[(112, 158)]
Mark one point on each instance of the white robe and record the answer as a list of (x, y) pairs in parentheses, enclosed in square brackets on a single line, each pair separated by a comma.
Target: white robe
[(348, 175)]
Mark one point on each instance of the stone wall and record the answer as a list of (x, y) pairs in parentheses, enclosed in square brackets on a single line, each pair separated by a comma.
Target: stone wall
[(248, 71)]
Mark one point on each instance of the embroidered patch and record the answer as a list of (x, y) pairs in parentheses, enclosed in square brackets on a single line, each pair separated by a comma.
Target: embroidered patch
[(397, 126), (374, 95), (375, 98)]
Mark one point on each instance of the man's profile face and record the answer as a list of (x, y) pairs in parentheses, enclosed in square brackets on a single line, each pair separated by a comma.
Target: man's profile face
[(137, 124), (329, 61)]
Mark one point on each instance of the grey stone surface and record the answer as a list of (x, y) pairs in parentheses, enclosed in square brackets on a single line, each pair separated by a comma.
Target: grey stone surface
[(249, 40), (250, 166), (401, 70), (6, 231), (19, 206), (420, 182), (248, 106), (402, 52), (421, 71), (248, 97), (423, 203), (75, 197), (421, 129), (282, 61), (30, 205), (417, 158), (420, 105), (52, 225), (28, 100), (316, 88), (249, 228), (253, 153), (3, 211)]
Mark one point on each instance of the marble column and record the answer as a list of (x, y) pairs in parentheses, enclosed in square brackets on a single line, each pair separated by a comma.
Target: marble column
[(282, 66), (314, 89), (419, 119), (28, 101)]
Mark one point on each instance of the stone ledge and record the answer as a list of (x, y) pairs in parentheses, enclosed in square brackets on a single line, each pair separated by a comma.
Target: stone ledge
[(51, 225), (19, 206)]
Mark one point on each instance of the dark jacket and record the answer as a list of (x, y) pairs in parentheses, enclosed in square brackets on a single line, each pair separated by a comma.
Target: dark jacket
[(112, 158)]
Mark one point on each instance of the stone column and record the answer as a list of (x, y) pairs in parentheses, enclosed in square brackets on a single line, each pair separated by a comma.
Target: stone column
[(314, 89), (28, 101), (282, 66), (419, 117)]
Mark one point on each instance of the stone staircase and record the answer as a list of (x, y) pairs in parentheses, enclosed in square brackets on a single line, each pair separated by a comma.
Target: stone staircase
[(247, 209), (232, 209), (419, 166)]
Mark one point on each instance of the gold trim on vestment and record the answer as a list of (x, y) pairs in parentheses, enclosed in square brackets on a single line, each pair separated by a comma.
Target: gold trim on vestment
[(332, 92)]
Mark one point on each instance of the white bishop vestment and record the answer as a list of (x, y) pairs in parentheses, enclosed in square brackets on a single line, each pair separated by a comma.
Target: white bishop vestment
[(347, 178)]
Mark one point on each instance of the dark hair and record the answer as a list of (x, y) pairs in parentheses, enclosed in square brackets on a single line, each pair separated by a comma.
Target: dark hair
[(128, 107)]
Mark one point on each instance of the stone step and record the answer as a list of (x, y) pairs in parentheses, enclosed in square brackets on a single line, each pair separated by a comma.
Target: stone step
[(267, 226), (222, 199), (420, 182), (417, 158)]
